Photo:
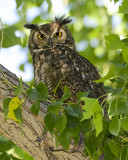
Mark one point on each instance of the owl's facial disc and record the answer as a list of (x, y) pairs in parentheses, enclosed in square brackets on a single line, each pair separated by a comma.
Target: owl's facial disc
[(49, 40), (48, 35)]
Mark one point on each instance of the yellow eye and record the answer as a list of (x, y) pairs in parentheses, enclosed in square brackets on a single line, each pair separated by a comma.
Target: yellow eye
[(58, 34), (41, 36)]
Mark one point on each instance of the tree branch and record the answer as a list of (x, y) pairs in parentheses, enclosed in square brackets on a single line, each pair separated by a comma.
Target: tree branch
[(31, 140)]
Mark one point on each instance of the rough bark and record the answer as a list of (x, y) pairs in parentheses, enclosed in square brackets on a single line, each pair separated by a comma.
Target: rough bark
[(31, 140)]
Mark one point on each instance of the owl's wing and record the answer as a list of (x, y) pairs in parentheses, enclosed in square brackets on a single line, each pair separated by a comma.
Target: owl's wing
[(82, 65), (84, 73)]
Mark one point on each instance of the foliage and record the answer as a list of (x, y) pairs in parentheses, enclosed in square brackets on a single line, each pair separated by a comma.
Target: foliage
[(6, 154), (65, 121)]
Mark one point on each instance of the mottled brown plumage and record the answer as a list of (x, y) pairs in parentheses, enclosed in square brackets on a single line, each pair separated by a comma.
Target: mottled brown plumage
[(55, 58)]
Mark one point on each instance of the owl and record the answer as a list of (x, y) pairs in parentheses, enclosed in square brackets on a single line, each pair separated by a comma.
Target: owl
[(56, 59)]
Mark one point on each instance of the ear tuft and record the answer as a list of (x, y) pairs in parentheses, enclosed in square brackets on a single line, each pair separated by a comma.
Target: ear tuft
[(31, 26), (62, 20)]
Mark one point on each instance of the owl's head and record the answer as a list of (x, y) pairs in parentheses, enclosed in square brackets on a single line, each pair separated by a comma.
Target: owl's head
[(48, 35)]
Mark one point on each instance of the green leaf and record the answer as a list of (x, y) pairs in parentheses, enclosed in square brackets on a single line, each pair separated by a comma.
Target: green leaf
[(37, 2), (19, 3), (97, 119), (91, 107), (21, 67), (117, 91), (66, 95), (124, 153), (38, 93), (82, 94), (49, 5), (108, 89), (85, 126), (74, 131), (56, 134), (108, 155), (114, 126), (55, 107), (50, 121), (114, 148), (65, 138), (124, 7), (72, 122), (5, 144), (9, 37), (21, 153), (116, 1), (91, 144), (18, 114), (76, 139), (13, 157), (14, 104), (73, 110), (113, 42), (42, 90), (33, 94), (35, 108), (4, 156), (55, 89), (125, 41), (118, 107), (109, 75), (119, 62), (61, 123), (24, 41), (6, 107), (125, 54), (29, 57), (18, 90), (124, 123)]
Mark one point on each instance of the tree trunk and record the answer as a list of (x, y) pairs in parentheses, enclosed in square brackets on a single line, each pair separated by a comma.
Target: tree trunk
[(31, 140)]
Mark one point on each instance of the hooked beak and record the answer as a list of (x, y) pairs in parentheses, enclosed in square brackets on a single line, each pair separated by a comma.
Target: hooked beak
[(50, 42)]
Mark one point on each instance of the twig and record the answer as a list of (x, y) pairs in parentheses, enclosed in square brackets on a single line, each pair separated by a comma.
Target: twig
[(2, 35)]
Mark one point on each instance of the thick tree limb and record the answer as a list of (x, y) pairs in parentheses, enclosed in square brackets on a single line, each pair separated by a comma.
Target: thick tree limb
[(31, 140)]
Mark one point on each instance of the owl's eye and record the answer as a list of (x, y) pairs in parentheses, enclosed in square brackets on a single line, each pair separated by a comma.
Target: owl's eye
[(58, 34), (41, 36)]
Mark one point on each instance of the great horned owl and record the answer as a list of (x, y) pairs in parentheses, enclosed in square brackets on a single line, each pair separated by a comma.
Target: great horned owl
[(55, 59)]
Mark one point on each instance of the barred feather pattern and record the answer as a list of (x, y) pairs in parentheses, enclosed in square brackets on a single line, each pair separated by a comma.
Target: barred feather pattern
[(63, 63)]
